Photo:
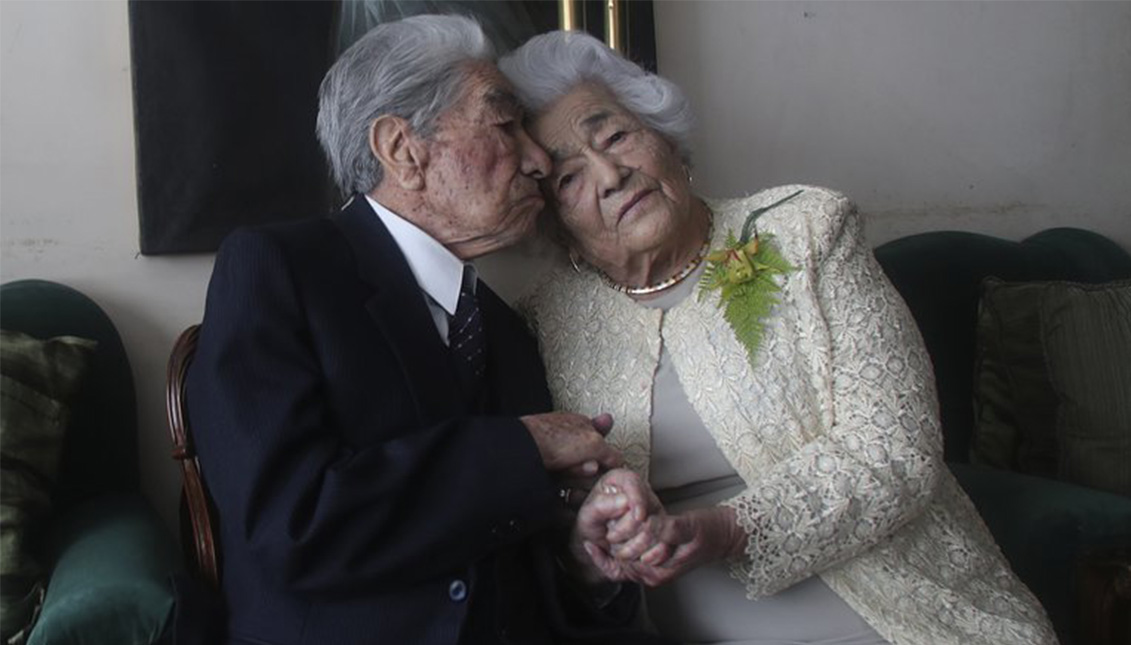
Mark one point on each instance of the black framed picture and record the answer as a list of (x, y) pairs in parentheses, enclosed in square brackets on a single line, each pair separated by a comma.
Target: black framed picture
[(225, 98)]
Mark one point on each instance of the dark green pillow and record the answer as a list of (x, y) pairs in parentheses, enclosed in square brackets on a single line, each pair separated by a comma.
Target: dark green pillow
[(37, 380), (1086, 335), (1014, 402)]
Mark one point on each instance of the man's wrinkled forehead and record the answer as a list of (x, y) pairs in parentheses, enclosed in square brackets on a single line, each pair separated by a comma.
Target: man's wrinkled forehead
[(487, 90), (502, 99)]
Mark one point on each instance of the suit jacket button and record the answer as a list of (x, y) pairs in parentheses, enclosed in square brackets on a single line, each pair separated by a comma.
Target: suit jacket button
[(457, 591)]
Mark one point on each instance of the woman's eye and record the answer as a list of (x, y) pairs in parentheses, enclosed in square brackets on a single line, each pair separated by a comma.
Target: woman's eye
[(617, 136), (564, 181)]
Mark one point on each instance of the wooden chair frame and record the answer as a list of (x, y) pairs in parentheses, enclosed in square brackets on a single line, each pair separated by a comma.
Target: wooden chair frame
[(204, 554)]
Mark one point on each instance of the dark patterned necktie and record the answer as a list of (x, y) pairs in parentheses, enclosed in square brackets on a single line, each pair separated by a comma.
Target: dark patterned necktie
[(465, 334)]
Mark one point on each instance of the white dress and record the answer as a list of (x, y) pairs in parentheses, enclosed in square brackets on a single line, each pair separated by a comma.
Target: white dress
[(832, 428)]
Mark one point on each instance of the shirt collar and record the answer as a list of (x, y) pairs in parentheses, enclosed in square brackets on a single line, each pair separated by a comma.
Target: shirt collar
[(437, 270)]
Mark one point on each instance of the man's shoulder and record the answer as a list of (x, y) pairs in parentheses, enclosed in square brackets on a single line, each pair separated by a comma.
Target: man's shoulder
[(302, 237), (289, 231)]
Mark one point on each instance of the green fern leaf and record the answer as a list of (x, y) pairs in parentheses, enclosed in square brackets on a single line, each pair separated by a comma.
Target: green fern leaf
[(748, 303), (747, 288)]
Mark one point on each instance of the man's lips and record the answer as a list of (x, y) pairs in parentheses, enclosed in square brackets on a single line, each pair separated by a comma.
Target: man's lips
[(632, 201), (533, 194)]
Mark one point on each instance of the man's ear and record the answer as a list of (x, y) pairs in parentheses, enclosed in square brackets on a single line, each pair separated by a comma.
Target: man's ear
[(402, 155)]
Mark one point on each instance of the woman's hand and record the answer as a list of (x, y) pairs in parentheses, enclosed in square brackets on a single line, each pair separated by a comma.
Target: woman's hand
[(618, 508), (675, 544), (623, 533)]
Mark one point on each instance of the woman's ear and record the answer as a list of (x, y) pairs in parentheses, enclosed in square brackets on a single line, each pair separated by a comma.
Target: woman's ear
[(401, 154)]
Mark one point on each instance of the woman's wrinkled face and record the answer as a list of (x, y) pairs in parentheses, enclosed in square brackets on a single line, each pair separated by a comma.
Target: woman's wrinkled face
[(619, 188)]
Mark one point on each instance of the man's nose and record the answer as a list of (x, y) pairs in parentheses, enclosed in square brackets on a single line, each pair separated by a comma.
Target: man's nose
[(535, 161)]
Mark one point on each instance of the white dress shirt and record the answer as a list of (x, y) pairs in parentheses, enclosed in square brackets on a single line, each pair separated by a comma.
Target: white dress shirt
[(437, 270)]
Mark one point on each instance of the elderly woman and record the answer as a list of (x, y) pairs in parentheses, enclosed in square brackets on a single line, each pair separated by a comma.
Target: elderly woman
[(785, 414)]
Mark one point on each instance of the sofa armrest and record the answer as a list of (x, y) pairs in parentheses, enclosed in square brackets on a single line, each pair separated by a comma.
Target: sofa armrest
[(111, 581), (1044, 527)]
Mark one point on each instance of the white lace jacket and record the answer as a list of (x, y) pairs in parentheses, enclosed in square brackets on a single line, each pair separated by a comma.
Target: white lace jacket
[(834, 428)]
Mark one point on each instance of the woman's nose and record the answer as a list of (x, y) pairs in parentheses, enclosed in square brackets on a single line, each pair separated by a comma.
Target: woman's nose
[(610, 174)]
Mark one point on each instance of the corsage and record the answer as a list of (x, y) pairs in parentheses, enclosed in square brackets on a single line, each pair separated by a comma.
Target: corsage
[(743, 273)]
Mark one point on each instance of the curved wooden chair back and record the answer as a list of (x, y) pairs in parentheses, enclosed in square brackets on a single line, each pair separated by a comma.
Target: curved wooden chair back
[(198, 525)]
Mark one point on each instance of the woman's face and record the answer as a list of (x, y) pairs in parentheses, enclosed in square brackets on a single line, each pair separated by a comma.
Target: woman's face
[(619, 187)]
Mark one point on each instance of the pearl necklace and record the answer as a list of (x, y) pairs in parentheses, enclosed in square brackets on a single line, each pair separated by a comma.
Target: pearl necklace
[(679, 276)]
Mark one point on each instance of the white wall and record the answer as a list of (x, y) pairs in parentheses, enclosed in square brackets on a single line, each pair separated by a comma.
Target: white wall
[(1002, 117), (68, 195)]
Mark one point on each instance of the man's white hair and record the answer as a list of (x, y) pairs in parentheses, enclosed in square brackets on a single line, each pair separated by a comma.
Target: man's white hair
[(413, 68)]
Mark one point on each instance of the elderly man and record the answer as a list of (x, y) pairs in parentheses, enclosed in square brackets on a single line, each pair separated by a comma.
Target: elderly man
[(373, 421)]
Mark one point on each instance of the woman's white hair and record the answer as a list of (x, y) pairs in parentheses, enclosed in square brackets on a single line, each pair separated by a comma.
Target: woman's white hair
[(549, 66), (412, 68)]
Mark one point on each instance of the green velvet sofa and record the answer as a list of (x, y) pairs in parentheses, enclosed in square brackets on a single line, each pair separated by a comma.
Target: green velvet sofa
[(106, 554), (1046, 528)]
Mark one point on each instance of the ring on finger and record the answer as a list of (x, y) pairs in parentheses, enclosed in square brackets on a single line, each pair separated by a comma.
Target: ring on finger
[(564, 493)]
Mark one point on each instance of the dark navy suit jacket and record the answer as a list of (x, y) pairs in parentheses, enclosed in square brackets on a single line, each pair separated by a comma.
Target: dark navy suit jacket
[(362, 496)]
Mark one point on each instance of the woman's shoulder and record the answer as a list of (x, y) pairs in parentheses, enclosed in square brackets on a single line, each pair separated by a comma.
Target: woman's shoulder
[(805, 219), (788, 199), (558, 289)]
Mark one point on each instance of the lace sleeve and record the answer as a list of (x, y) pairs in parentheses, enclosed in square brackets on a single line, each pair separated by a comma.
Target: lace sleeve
[(875, 468)]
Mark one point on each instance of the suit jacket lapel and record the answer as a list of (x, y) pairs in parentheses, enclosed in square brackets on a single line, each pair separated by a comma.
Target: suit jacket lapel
[(500, 371), (399, 311), (516, 382)]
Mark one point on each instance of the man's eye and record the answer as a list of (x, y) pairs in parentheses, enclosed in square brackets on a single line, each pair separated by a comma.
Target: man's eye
[(617, 136), (564, 181)]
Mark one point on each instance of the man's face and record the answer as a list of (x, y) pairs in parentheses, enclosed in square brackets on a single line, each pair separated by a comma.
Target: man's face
[(481, 180)]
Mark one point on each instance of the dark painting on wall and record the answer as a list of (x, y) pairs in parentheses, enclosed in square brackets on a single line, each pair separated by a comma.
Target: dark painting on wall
[(225, 101), (224, 109)]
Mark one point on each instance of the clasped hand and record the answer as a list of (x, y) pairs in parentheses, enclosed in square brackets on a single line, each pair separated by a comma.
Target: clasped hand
[(624, 533)]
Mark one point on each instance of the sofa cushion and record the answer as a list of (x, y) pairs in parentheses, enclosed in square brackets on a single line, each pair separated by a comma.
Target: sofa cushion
[(1053, 381), (38, 378), (1086, 336), (105, 408), (1014, 402)]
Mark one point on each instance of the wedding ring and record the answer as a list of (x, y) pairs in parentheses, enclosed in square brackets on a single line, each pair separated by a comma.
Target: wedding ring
[(564, 494)]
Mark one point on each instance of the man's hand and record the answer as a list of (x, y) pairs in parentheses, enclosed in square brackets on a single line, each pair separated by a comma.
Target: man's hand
[(571, 444)]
